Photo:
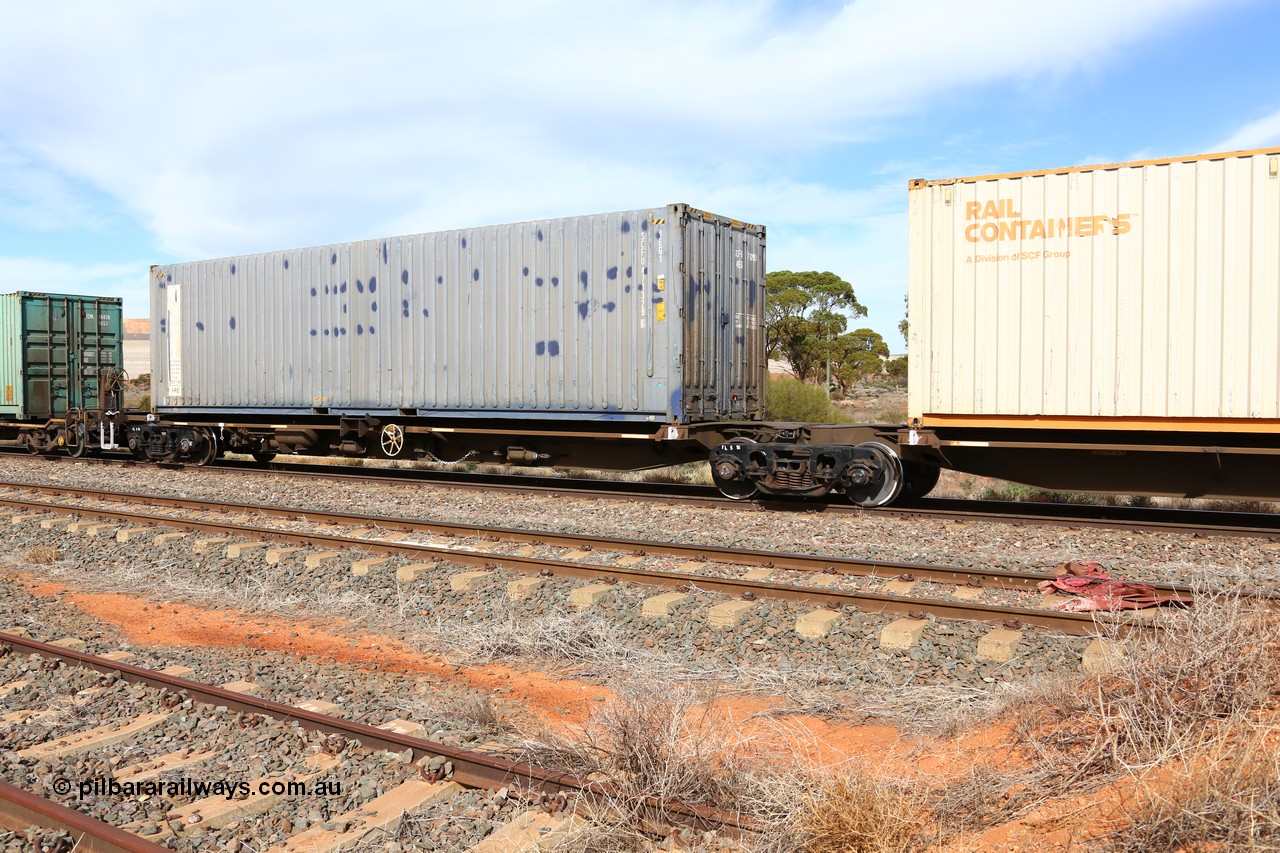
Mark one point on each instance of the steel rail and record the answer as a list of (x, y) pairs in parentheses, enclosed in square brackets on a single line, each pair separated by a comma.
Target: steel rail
[(20, 809), (1066, 622), (471, 769), (1136, 519), (1001, 578)]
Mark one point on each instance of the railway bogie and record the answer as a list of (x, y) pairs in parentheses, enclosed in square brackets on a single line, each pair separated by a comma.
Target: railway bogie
[(812, 460)]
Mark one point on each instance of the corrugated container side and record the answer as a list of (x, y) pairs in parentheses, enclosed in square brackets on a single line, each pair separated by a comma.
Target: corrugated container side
[(578, 317), (11, 350), (724, 346), (53, 347), (1143, 290)]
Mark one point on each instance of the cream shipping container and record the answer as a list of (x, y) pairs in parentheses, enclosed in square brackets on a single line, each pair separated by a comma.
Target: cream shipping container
[(1110, 327)]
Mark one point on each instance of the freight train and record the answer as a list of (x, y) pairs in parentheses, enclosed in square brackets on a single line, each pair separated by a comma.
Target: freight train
[(1111, 328)]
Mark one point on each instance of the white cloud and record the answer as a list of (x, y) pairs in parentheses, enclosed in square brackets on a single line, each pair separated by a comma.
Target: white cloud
[(242, 126), (1256, 134), (126, 280), (40, 199)]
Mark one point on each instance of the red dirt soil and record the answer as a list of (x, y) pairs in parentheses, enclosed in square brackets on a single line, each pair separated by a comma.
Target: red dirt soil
[(566, 703)]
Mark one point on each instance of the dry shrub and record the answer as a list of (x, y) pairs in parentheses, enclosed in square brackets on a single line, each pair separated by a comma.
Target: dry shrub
[(660, 742), (860, 813), (654, 743), (586, 639), (1215, 664), (1171, 698), (475, 711), (1225, 797), (980, 797), (42, 555)]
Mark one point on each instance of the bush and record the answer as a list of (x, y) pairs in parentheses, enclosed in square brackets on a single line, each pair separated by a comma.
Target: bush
[(42, 555), (793, 400), (860, 813)]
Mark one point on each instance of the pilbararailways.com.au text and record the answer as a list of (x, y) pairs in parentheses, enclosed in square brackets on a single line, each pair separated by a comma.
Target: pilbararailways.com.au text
[(197, 788)]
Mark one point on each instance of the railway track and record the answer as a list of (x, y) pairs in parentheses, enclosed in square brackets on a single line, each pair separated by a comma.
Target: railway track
[(416, 772), (837, 586), (905, 589), (1137, 519)]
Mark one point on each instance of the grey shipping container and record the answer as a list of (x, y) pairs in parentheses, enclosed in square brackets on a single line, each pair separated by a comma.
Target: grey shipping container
[(58, 353), (642, 315)]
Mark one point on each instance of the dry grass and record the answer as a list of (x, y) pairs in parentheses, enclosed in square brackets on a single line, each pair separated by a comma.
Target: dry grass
[(42, 555), (1224, 797), (1216, 666), (471, 712), (584, 639), (1181, 702), (983, 795), (653, 743), (860, 813), (657, 742)]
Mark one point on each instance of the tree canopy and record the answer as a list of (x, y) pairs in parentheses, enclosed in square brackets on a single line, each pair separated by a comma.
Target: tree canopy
[(806, 316), (857, 355)]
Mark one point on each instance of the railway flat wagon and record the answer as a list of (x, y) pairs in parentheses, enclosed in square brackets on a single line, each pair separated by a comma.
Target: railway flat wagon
[(60, 368), (512, 341), (1105, 328)]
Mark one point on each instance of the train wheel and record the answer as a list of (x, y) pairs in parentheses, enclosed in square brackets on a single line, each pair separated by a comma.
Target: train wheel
[(80, 447), (885, 487), (208, 448), (391, 441), (729, 478), (918, 479), (263, 456)]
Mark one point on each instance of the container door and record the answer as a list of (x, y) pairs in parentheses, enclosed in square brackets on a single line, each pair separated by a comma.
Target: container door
[(69, 342), (723, 315), (96, 352), (44, 319)]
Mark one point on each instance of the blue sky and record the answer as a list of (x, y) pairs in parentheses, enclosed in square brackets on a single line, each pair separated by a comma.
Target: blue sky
[(137, 133)]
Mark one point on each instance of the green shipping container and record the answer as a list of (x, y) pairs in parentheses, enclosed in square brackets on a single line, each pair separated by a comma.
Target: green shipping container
[(54, 349)]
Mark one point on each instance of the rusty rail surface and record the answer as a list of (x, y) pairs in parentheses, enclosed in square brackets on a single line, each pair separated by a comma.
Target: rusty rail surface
[(471, 769), (20, 809), (1066, 622), (1020, 513)]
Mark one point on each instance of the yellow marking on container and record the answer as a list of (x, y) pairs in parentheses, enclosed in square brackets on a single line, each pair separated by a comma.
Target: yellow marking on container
[(662, 282), (660, 313)]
